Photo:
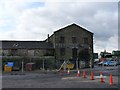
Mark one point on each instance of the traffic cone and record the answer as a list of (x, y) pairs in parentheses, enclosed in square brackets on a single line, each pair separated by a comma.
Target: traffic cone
[(92, 75), (84, 74), (68, 72), (111, 79), (78, 73), (101, 78)]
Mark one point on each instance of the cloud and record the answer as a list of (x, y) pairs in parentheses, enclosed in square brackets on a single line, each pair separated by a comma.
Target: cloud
[(34, 20), (109, 45)]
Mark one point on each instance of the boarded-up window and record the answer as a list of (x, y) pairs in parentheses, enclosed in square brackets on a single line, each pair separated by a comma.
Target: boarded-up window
[(39, 52), (62, 39), (30, 52), (13, 52), (62, 51), (5, 52), (86, 40), (74, 40), (74, 53)]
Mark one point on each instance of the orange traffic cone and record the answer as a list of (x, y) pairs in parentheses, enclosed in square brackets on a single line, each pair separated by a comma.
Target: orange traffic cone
[(101, 78), (111, 79), (84, 74), (92, 75), (68, 71), (78, 73)]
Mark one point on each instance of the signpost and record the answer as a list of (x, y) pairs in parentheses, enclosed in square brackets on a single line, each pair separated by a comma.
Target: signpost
[(10, 64)]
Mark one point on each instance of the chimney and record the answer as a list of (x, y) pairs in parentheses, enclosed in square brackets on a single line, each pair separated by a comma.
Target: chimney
[(48, 38)]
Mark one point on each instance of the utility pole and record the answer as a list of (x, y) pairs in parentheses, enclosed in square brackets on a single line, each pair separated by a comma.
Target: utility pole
[(77, 64), (43, 65), (22, 65), (64, 65), (24, 57)]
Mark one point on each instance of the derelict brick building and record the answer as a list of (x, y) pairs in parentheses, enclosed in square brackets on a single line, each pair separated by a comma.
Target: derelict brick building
[(71, 43)]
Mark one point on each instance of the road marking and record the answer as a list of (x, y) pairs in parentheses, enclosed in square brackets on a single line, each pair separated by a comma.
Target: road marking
[(99, 76), (66, 78), (70, 78)]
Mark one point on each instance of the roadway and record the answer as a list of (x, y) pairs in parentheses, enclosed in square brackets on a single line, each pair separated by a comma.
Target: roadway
[(50, 79)]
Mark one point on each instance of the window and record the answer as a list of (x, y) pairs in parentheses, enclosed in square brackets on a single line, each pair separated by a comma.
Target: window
[(62, 39), (85, 40), (74, 40), (13, 52), (74, 53), (62, 51), (31, 52)]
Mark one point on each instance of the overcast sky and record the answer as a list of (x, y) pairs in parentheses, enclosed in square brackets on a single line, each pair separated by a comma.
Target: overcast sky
[(34, 19)]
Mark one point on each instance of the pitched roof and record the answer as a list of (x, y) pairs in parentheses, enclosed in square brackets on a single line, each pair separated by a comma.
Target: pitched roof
[(71, 26), (26, 45)]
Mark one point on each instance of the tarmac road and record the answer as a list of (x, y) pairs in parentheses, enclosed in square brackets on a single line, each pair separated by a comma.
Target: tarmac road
[(58, 80)]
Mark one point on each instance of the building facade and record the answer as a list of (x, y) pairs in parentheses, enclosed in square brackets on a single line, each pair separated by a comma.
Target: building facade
[(116, 55), (27, 51), (71, 43)]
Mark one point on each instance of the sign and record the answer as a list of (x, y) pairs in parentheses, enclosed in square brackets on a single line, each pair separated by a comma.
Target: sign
[(70, 66), (10, 64)]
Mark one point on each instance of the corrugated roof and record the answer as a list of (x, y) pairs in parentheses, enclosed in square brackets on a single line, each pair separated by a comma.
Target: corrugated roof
[(26, 44)]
